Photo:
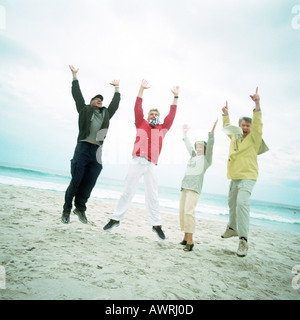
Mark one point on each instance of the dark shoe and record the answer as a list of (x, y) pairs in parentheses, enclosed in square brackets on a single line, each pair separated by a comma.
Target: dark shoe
[(65, 218), (112, 223), (81, 215), (183, 242), (188, 247), (159, 232)]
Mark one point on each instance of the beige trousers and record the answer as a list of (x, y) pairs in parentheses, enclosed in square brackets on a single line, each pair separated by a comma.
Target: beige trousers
[(188, 203)]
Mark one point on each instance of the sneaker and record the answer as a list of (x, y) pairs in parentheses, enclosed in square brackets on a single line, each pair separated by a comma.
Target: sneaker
[(229, 233), (112, 223), (243, 248), (65, 218), (159, 232), (81, 215)]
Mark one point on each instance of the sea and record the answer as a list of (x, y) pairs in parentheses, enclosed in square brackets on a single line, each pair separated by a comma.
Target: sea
[(271, 216)]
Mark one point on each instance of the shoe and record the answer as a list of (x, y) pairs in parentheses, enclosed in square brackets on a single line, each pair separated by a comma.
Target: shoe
[(243, 248), (159, 232), (188, 247), (65, 218), (81, 215), (112, 223), (183, 242), (229, 233)]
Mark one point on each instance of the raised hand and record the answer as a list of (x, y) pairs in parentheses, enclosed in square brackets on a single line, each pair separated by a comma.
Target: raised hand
[(255, 97), (185, 129), (225, 109), (74, 71), (144, 85), (115, 83), (175, 90), (214, 126)]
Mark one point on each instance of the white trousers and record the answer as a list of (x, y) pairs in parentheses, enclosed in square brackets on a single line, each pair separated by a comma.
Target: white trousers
[(138, 168)]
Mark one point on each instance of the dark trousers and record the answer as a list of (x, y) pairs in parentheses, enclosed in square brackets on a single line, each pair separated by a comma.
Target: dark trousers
[(85, 171)]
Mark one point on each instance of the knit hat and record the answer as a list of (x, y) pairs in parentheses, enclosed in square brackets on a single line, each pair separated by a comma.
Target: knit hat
[(97, 96), (200, 142)]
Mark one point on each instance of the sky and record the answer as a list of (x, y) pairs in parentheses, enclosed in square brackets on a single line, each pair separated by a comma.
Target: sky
[(214, 50)]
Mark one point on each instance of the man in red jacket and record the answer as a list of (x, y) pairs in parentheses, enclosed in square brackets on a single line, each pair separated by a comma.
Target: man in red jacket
[(146, 151)]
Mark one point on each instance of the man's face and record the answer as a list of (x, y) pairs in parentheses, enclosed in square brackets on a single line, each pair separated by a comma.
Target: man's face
[(97, 103), (246, 127), (152, 115)]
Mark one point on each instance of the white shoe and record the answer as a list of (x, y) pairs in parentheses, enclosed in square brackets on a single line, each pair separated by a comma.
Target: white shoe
[(243, 248), (229, 233)]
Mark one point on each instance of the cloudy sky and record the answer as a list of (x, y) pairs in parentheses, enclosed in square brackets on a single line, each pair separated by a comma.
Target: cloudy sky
[(214, 50)]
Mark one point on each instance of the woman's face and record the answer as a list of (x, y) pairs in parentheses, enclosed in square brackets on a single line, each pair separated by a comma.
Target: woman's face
[(200, 149)]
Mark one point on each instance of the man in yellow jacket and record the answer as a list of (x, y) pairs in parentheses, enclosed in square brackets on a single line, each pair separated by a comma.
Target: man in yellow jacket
[(242, 169)]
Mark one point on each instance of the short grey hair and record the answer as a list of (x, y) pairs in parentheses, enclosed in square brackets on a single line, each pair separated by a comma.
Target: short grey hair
[(154, 110), (247, 119)]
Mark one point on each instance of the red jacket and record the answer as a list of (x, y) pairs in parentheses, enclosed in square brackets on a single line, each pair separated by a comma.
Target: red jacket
[(148, 142)]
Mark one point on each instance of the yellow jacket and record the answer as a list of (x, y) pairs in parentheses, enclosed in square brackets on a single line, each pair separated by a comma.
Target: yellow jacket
[(242, 161)]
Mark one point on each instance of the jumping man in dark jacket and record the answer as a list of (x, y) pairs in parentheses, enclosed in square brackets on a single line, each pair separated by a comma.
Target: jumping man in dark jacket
[(86, 165)]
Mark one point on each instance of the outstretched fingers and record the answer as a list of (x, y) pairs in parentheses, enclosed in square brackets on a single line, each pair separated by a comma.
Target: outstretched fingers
[(115, 83), (175, 90), (145, 84), (73, 69)]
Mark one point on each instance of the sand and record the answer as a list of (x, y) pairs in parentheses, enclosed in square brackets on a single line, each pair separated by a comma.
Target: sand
[(41, 258)]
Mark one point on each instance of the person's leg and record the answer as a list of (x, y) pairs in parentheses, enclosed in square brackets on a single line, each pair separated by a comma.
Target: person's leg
[(92, 172), (245, 188), (231, 230), (232, 198), (135, 171), (78, 165), (151, 194), (189, 214), (181, 214)]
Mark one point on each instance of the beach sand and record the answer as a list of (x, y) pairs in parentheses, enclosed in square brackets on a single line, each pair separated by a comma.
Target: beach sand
[(45, 259)]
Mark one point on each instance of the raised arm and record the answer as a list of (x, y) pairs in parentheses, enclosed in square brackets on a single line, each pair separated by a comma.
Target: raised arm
[(138, 110), (214, 126), (257, 124), (225, 118), (187, 141), (116, 84), (256, 99), (76, 92), (114, 104), (144, 85), (225, 109), (74, 71), (225, 114), (210, 144), (175, 91)]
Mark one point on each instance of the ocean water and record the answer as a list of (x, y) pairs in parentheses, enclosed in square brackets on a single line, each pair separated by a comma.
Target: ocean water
[(273, 216)]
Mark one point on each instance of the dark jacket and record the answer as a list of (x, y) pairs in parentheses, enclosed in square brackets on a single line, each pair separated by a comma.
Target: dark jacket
[(86, 111)]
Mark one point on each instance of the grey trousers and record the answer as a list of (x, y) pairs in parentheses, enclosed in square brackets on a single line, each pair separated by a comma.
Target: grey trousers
[(239, 205)]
